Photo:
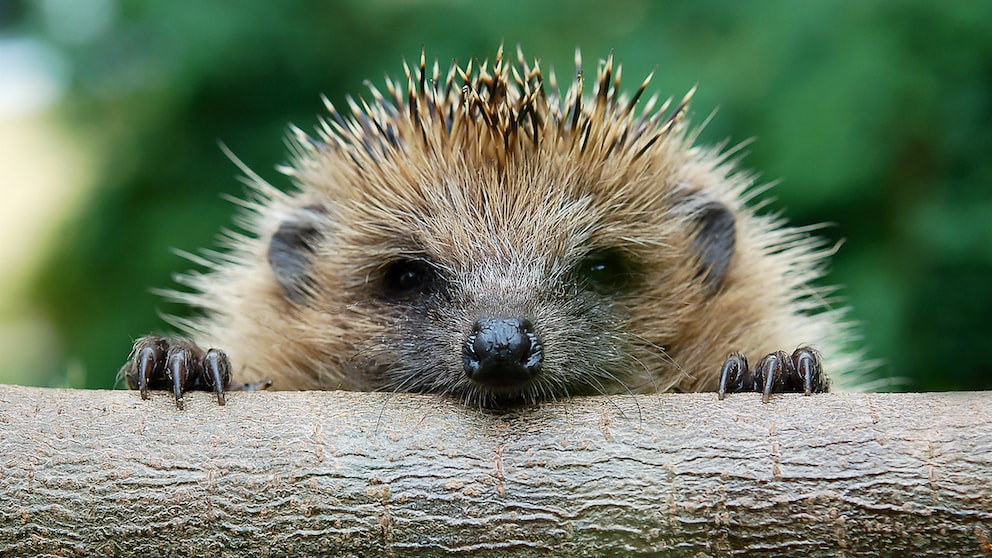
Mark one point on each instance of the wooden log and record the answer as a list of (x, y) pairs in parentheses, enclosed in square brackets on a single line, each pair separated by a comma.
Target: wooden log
[(103, 473)]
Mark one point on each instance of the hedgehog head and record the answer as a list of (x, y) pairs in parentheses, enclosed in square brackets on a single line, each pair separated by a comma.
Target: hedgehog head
[(492, 236)]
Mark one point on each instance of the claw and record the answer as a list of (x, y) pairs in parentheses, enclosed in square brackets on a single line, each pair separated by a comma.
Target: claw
[(217, 372), (773, 371), (769, 368), (145, 366), (807, 365), (732, 375), (177, 369), (147, 359)]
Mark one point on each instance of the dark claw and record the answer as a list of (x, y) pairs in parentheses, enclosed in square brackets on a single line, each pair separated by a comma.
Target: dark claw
[(733, 374), (803, 366), (217, 372), (772, 374), (809, 369), (150, 359), (776, 373), (178, 364)]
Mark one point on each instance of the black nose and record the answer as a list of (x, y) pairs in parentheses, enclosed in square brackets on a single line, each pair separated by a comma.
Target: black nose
[(503, 353)]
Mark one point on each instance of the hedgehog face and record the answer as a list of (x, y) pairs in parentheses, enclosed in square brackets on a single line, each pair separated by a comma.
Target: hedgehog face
[(497, 241), (501, 296), (501, 322), (499, 328)]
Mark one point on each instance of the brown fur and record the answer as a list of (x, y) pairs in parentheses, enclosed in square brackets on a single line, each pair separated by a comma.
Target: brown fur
[(504, 185)]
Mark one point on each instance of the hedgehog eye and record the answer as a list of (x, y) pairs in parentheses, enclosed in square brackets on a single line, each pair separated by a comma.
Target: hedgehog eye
[(606, 271), (407, 278)]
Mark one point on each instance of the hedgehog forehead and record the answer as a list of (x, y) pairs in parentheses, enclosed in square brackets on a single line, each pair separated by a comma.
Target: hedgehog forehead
[(534, 218), (459, 219)]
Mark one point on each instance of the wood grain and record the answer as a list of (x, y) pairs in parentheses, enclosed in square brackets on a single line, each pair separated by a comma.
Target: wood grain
[(104, 473)]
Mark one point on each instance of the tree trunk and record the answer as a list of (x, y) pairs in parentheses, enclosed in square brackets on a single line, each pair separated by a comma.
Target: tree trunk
[(104, 473)]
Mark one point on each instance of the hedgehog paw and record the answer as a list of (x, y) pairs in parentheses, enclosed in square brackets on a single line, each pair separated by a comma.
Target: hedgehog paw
[(157, 363), (776, 373)]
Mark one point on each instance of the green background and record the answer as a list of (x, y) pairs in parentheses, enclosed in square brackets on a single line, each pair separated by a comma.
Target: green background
[(876, 117)]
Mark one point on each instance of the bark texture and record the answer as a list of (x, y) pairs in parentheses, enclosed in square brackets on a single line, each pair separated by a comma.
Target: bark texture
[(104, 473)]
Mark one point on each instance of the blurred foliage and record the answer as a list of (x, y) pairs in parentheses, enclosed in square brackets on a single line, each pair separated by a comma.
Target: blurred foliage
[(877, 116)]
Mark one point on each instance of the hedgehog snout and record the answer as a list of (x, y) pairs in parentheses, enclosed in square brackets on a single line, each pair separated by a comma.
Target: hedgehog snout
[(503, 353)]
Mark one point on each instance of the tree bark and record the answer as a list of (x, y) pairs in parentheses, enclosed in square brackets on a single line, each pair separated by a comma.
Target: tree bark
[(104, 473)]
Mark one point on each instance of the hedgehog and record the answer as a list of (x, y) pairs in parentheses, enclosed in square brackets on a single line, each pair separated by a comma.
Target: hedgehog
[(497, 239)]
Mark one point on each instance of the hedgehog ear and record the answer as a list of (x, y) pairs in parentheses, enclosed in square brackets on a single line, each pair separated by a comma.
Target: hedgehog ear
[(290, 250), (715, 237)]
